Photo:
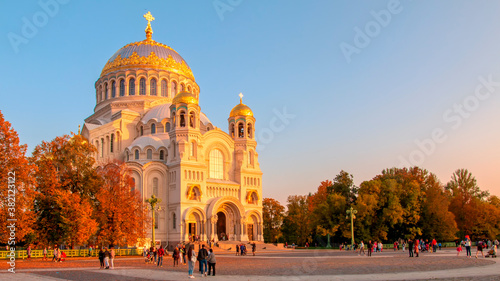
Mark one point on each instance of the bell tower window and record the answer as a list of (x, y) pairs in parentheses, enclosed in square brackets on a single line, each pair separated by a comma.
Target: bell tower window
[(241, 130)]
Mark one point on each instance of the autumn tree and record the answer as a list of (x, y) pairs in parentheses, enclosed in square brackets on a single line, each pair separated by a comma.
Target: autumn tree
[(272, 213), (437, 221), (122, 215), (16, 184), (66, 182), (466, 202)]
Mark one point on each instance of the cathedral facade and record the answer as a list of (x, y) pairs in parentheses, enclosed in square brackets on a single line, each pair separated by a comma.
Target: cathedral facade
[(147, 115)]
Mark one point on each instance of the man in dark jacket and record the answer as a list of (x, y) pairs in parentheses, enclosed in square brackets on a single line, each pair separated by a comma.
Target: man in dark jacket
[(202, 257), (410, 248)]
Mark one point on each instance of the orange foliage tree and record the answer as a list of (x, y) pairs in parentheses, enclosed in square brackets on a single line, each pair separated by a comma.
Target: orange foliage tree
[(122, 215), (66, 182), (16, 185)]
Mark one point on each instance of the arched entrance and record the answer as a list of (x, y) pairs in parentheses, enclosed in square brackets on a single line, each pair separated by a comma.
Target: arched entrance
[(221, 226)]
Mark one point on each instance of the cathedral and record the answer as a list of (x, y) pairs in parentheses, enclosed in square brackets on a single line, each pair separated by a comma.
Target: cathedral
[(148, 115)]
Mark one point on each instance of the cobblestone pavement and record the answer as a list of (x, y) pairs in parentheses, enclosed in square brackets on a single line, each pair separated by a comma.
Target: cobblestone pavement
[(274, 265)]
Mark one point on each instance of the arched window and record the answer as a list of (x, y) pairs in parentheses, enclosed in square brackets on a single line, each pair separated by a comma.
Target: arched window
[(142, 87), (191, 120), (132, 188), (189, 89), (142, 130), (216, 164), (111, 142), (167, 127), (193, 148), (149, 154), (155, 186), (128, 156), (174, 88), (152, 87), (102, 147), (231, 129), (182, 120), (241, 130), (163, 88), (113, 89), (131, 87), (249, 125), (182, 87), (136, 154), (174, 220), (162, 155), (122, 87), (105, 91), (153, 128)]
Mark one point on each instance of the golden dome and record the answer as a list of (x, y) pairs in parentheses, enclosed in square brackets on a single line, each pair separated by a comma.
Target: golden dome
[(241, 110), (185, 97), (148, 54)]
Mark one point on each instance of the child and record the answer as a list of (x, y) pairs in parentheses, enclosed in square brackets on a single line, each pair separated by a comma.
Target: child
[(459, 249)]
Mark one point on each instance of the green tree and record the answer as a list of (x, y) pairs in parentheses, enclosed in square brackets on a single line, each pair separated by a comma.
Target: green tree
[(296, 223), (272, 213)]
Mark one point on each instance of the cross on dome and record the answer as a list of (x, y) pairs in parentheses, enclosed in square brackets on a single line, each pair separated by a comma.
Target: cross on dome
[(241, 97), (149, 17), (149, 31)]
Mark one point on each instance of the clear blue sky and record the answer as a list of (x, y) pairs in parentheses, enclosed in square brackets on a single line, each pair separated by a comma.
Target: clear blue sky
[(404, 85)]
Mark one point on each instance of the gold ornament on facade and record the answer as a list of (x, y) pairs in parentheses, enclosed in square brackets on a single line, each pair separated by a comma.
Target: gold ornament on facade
[(151, 61)]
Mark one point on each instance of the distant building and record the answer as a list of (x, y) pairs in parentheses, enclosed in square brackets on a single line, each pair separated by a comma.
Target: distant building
[(147, 115)]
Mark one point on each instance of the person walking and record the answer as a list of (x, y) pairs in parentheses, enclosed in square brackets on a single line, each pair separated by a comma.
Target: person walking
[(191, 255), (237, 249), (361, 248), (417, 245), (370, 248), (28, 252), (44, 253), (106, 258), (161, 253), (410, 248), (254, 247), (202, 258), (467, 246), (211, 262), (480, 246), (112, 255), (184, 254), (176, 256)]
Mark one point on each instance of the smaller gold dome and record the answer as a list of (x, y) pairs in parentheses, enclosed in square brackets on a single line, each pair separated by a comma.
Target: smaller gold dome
[(241, 110), (185, 97)]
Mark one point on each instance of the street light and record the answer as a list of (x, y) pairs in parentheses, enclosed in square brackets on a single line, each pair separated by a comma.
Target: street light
[(153, 203), (352, 214)]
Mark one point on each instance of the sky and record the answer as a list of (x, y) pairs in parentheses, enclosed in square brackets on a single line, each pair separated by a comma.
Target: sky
[(359, 86)]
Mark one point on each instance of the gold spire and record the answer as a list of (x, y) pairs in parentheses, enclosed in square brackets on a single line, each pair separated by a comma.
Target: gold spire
[(79, 129), (149, 31)]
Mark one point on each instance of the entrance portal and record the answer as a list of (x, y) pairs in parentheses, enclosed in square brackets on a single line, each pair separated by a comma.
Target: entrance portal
[(250, 232), (192, 229), (221, 226)]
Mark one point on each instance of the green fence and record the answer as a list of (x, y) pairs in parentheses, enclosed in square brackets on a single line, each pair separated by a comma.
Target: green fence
[(22, 254)]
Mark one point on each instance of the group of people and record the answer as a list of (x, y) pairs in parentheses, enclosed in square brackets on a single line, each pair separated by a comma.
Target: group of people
[(107, 257), (182, 255), (481, 246)]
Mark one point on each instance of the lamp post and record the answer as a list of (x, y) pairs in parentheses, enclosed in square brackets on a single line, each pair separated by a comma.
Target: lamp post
[(153, 203), (352, 214)]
